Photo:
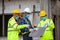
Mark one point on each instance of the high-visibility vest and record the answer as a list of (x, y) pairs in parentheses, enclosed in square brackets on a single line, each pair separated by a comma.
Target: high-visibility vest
[(48, 34), (13, 28)]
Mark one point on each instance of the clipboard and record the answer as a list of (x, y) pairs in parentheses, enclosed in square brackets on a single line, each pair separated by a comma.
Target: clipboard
[(38, 32)]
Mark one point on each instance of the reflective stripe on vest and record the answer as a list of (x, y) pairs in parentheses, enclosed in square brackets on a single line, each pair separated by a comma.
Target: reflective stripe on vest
[(12, 30), (16, 26), (48, 30), (12, 26)]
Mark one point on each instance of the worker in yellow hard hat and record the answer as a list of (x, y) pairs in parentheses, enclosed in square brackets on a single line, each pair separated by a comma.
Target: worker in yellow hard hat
[(42, 13), (17, 12), (13, 26), (48, 34)]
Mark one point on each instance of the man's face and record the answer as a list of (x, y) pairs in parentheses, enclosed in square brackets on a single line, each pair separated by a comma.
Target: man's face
[(42, 17), (23, 15), (16, 15)]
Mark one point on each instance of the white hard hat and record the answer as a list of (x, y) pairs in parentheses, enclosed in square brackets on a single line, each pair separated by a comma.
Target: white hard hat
[(27, 10)]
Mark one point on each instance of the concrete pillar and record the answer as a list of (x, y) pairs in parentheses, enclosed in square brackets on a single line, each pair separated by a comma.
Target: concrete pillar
[(58, 27), (49, 9)]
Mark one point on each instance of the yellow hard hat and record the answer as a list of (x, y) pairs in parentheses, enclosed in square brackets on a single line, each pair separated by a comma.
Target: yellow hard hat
[(16, 11), (42, 13)]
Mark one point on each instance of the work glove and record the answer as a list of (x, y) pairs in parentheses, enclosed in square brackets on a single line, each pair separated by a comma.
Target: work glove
[(36, 29), (31, 30)]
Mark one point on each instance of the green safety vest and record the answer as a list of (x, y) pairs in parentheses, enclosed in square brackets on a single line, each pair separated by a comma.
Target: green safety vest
[(48, 34), (13, 28)]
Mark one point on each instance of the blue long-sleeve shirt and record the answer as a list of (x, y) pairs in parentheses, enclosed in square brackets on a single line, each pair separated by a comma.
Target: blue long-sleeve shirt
[(25, 21)]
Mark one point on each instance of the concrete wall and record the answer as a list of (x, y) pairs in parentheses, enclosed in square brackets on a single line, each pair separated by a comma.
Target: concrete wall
[(13, 4), (9, 6), (58, 15), (0, 6), (36, 19), (55, 8)]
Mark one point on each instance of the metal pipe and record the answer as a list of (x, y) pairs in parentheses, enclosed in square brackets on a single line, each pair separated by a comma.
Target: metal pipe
[(3, 17)]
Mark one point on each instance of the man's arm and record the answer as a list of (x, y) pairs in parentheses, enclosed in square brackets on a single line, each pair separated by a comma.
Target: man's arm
[(15, 25), (52, 26)]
